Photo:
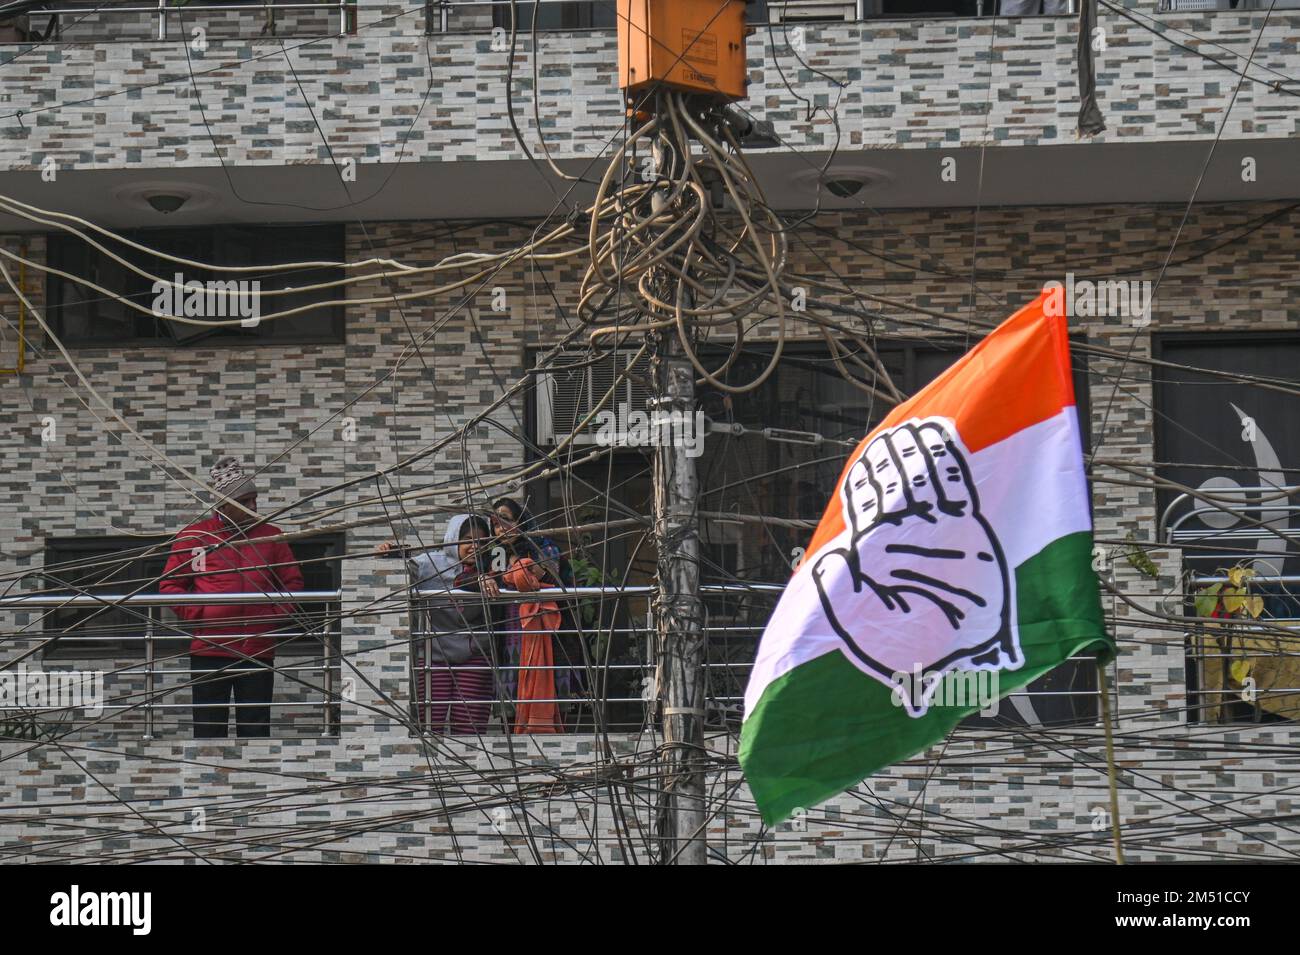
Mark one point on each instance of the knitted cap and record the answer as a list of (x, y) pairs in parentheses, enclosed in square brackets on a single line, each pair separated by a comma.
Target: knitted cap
[(230, 480)]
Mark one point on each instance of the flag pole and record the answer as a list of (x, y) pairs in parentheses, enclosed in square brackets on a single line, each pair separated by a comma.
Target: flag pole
[(1110, 763)]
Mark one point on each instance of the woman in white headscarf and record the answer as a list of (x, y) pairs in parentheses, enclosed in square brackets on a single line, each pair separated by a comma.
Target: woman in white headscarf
[(430, 568), (453, 636)]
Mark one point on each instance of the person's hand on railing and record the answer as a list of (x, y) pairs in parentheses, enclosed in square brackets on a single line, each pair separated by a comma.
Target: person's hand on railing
[(391, 549), (522, 577), (489, 586), (548, 565)]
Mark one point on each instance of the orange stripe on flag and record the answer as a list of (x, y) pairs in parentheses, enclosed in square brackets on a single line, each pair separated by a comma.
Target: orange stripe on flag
[(1016, 377)]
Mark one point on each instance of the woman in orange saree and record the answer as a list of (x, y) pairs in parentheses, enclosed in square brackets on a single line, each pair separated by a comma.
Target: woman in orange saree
[(537, 709)]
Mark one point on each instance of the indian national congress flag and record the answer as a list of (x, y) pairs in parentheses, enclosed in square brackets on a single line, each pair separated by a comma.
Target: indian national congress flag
[(958, 540)]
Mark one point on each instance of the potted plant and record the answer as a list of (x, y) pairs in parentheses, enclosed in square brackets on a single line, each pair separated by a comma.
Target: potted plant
[(1238, 660)]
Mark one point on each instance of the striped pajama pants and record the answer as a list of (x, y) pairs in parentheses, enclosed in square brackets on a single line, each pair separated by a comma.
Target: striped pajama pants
[(459, 702)]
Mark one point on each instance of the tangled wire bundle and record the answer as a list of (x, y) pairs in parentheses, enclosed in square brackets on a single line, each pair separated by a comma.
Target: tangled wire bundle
[(683, 222)]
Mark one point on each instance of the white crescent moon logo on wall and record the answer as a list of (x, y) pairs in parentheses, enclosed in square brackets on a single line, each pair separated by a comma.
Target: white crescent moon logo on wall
[(922, 585), (1269, 475)]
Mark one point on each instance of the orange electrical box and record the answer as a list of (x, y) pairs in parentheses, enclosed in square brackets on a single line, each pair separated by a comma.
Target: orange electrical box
[(692, 45)]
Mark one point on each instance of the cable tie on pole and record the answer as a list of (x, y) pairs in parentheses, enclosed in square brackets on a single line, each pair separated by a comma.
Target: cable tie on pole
[(792, 437), (724, 427)]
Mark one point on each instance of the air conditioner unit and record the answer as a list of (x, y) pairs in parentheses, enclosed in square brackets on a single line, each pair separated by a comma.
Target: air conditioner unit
[(571, 385), (812, 11), (1190, 6), (727, 543)]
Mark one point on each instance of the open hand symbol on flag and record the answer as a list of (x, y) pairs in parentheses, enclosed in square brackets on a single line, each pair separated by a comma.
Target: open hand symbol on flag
[(922, 587)]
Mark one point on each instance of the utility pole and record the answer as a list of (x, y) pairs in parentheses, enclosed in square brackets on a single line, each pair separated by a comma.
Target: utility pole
[(679, 616), (696, 47)]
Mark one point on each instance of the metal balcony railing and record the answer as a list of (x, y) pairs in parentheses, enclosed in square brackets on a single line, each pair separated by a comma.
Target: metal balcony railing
[(140, 674), (612, 667), (1259, 524), (82, 20), (91, 20), (603, 669), (452, 16), (1224, 6), (601, 676)]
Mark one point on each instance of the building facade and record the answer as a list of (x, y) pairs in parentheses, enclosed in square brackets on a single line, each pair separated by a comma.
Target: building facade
[(968, 191)]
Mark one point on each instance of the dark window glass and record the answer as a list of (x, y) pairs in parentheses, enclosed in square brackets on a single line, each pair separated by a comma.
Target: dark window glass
[(603, 14), (927, 8), (82, 316), (320, 560), (596, 15), (1219, 436), (102, 566), (1239, 442)]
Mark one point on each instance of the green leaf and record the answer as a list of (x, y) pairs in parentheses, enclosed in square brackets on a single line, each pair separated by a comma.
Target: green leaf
[(1207, 600)]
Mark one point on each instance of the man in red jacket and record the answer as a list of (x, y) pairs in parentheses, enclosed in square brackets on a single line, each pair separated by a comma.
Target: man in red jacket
[(231, 653)]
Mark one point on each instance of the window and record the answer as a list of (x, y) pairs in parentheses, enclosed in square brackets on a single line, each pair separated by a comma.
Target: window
[(790, 479), (121, 565), (1237, 441), (82, 316), (603, 14), (1216, 435), (320, 560), (597, 15), (750, 475), (925, 8), (100, 565)]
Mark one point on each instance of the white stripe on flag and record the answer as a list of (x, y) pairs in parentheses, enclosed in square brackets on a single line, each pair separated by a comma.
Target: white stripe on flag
[(1032, 491)]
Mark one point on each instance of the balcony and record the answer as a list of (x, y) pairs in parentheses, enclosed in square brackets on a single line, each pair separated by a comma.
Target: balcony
[(1241, 668), (128, 671), (82, 21), (133, 21), (422, 114), (604, 658)]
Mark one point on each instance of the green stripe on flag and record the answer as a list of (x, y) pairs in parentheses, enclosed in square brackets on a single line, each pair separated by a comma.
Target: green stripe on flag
[(824, 726)]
